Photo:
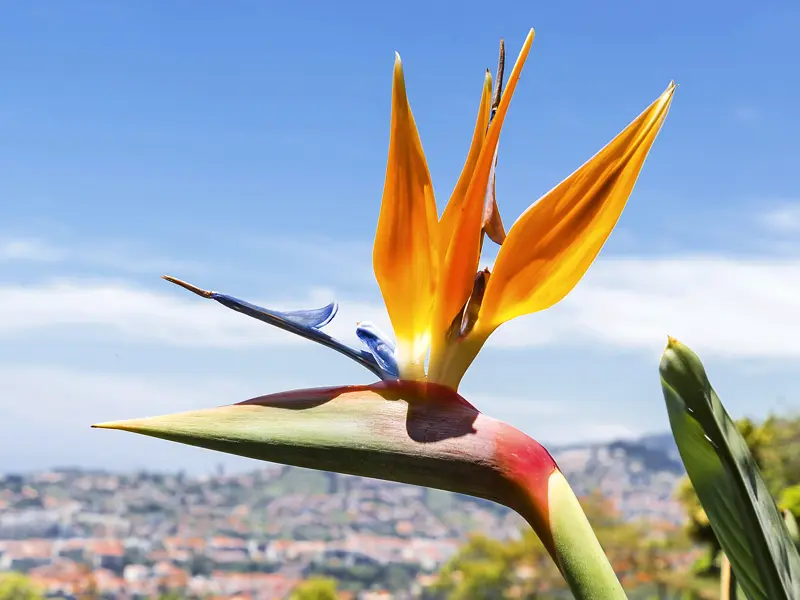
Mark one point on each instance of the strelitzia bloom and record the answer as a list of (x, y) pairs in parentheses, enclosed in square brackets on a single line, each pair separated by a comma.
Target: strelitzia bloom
[(413, 426)]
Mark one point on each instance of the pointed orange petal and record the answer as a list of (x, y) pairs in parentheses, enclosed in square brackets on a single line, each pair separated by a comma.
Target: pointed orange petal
[(463, 250), (451, 212), (551, 246), (405, 256)]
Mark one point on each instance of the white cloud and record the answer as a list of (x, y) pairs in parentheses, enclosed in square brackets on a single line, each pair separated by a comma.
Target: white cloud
[(46, 413), (175, 318), (553, 422), (783, 219), (727, 307), (112, 255), (720, 306), (83, 397), (502, 405), (28, 249)]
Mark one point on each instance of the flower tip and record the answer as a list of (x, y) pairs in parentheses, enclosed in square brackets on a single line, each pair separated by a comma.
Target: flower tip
[(526, 46), (188, 286), (672, 342), (110, 425), (152, 426), (398, 69), (665, 100), (529, 38), (669, 92)]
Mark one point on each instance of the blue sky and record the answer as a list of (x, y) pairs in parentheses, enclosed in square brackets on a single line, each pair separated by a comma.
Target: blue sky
[(242, 146)]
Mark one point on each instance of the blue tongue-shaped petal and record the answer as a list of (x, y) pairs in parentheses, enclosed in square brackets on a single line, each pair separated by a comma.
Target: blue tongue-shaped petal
[(305, 323), (380, 346), (314, 318)]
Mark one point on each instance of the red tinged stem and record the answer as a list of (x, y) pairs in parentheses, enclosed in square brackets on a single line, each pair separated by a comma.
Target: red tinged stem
[(529, 465)]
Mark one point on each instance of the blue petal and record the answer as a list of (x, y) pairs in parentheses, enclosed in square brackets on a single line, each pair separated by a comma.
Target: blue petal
[(314, 318), (379, 344), (305, 323), (296, 322)]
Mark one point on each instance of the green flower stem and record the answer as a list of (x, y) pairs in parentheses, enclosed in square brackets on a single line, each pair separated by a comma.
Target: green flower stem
[(579, 555)]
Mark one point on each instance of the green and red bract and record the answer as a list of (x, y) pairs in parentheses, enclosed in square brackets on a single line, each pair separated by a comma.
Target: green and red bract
[(406, 431)]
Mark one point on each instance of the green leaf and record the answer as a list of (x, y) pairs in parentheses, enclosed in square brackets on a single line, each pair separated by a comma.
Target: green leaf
[(742, 513)]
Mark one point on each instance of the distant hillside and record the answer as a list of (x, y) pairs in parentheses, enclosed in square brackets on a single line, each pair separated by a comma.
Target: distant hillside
[(663, 442), (638, 475)]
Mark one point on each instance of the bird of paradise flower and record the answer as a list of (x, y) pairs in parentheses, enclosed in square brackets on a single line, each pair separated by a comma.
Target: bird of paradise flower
[(413, 426)]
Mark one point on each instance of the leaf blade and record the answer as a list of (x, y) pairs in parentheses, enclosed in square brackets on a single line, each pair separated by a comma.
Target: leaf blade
[(741, 511)]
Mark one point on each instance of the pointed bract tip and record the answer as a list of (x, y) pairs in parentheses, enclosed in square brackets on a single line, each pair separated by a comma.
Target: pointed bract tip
[(188, 286), (111, 425), (144, 426), (672, 342)]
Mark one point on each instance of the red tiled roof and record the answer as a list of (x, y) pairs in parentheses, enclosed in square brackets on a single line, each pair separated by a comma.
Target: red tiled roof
[(107, 548), (29, 548), (228, 542)]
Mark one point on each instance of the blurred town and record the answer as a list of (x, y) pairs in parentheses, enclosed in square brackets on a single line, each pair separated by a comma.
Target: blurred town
[(77, 533)]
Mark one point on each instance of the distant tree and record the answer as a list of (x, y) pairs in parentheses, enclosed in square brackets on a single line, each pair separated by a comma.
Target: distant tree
[(134, 556), (642, 554), (483, 568), (787, 445), (316, 588), (201, 564), (15, 586), (789, 499), (398, 577)]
